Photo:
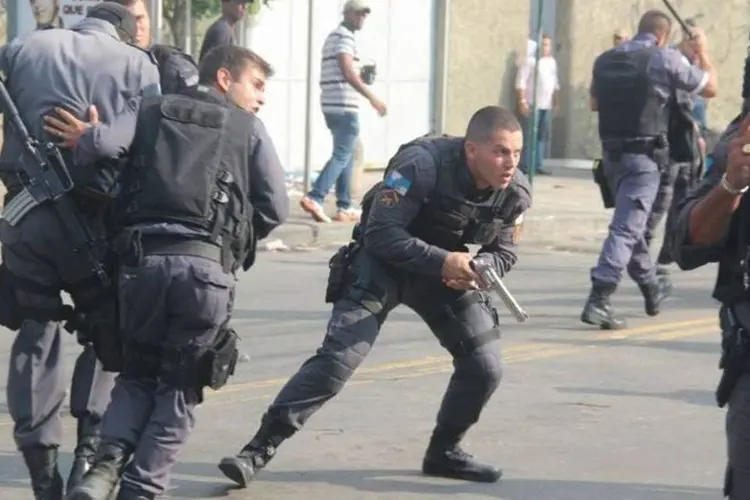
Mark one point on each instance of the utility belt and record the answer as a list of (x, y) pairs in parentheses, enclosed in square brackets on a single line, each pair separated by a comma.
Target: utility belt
[(132, 246), (656, 147)]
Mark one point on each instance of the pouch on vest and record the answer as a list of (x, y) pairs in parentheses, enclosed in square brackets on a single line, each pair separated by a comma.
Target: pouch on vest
[(219, 362), (10, 316)]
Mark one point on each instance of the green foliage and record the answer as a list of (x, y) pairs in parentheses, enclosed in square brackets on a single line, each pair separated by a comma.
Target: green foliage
[(202, 8)]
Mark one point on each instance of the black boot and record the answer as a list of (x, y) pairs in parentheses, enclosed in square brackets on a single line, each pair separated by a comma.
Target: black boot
[(46, 480), (655, 293), (598, 310), (242, 467), (109, 461), (445, 458), (89, 429)]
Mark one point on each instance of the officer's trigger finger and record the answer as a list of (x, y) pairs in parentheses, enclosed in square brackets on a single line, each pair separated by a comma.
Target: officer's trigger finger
[(93, 115), (745, 126)]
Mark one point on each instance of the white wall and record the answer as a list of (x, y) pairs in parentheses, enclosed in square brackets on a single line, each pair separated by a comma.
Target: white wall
[(397, 35)]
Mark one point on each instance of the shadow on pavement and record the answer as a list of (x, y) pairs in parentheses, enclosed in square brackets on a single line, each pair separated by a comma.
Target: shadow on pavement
[(393, 482)]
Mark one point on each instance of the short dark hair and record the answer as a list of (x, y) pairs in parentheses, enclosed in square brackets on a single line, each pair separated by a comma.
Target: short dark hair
[(127, 3), (656, 22), (234, 59), (489, 119)]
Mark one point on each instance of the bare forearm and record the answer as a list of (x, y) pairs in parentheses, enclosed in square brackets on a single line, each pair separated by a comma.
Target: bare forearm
[(709, 219)]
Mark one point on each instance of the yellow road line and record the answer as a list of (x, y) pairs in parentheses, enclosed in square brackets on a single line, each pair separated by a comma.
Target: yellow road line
[(519, 353)]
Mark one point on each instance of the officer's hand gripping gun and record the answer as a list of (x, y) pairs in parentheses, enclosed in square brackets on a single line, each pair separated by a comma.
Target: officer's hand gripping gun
[(492, 280), (46, 179)]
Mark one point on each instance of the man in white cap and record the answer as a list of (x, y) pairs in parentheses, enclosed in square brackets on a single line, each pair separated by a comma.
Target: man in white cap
[(341, 86)]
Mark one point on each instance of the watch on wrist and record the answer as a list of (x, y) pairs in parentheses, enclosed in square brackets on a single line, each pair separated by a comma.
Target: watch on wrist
[(726, 186)]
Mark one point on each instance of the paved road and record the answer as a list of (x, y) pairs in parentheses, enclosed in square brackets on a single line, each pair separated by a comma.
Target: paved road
[(581, 414)]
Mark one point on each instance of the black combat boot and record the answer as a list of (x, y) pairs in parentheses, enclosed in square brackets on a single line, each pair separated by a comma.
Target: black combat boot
[(89, 429), (256, 454), (109, 461), (46, 480), (598, 310), (655, 293), (445, 458)]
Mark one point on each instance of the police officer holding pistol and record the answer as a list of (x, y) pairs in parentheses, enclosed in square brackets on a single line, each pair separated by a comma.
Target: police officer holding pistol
[(630, 89), (714, 226), (87, 65), (202, 185), (439, 195)]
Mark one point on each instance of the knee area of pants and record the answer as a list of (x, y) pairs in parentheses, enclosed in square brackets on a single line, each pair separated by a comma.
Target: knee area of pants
[(484, 365)]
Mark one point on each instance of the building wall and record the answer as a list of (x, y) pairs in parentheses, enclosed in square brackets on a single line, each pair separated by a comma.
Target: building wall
[(485, 37)]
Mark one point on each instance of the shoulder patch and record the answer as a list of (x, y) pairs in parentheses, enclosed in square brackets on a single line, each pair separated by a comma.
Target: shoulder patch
[(397, 183), (388, 198)]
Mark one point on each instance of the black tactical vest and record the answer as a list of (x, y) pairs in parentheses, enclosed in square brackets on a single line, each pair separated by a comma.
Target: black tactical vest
[(177, 70), (681, 134), (629, 106), (447, 219), (189, 165)]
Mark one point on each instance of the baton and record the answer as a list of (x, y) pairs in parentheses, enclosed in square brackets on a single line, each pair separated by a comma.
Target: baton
[(679, 19)]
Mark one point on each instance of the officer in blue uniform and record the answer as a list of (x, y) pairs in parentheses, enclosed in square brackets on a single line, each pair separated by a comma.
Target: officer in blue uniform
[(630, 89), (72, 69), (439, 195), (189, 215)]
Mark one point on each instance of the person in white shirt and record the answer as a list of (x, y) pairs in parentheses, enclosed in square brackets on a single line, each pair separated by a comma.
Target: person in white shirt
[(547, 100)]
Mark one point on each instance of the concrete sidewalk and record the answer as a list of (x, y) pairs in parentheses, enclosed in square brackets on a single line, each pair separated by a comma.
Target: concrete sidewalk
[(567, 215)]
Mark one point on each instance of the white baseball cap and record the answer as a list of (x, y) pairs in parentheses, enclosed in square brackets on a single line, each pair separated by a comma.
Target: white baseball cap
[(357, 6)]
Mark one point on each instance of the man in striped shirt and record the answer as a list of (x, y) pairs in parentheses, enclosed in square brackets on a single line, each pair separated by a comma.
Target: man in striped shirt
[(341, 86)]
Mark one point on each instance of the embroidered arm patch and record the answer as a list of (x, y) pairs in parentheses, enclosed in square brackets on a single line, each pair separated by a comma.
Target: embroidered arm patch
[(398, 183)]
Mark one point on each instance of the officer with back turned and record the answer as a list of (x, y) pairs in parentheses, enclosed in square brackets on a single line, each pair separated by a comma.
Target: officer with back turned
[(202, 185), (72, 70), (439, 195), (630, 88)]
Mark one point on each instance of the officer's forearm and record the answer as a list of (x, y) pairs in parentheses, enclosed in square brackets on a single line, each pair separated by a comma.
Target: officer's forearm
[(399, 248), (710, 217), (503, 260), (712, 86)]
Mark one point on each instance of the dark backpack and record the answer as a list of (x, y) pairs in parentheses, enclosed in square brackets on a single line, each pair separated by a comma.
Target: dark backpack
[(177, 70)]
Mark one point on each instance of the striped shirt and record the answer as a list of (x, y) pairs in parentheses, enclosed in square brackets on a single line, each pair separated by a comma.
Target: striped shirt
[(337, 95)]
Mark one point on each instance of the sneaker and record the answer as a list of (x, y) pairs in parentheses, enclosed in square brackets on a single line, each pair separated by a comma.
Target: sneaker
[(348, 214), (314, 208)]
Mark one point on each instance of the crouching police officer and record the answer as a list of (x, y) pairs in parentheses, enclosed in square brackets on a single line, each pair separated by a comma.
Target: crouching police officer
[(439, 195), (203, 183), (630, 89), (87, 65)]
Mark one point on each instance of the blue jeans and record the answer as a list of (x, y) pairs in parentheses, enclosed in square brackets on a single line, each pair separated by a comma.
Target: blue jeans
[(345, 128), (540, 142)]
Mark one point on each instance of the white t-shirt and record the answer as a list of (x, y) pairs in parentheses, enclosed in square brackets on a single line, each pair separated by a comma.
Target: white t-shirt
[(548, 81)]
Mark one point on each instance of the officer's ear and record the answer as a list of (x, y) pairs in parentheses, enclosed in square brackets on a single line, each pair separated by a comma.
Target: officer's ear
[(223, 79)]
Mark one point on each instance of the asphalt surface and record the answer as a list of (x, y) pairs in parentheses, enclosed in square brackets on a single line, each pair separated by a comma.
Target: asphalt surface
[(580, 415)]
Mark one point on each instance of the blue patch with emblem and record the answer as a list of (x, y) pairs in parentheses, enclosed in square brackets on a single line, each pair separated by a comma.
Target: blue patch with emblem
[(398, 183), (709, 163)]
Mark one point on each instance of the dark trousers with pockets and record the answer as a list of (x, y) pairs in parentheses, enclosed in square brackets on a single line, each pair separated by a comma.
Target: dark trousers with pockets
[(634, 179), (464, 322), (38, 250), (167, 303)]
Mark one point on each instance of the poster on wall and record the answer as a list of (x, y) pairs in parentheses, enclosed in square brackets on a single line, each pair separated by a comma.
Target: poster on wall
[(60, 13)]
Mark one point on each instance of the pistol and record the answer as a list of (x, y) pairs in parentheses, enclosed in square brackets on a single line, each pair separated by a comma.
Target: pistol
[(492, 280)]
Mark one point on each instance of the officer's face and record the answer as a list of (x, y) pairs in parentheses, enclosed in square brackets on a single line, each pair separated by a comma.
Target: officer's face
[(495, 160), (247, 92), (143, 22)]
